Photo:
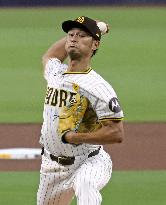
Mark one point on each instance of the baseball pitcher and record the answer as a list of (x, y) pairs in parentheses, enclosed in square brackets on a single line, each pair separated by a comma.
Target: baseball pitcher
[(81, 114)]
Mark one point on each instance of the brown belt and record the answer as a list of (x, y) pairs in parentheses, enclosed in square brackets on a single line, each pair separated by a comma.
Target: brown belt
[(63, 160)]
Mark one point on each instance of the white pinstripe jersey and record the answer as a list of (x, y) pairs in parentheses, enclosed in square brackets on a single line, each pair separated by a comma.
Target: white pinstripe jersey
[(61, 88)]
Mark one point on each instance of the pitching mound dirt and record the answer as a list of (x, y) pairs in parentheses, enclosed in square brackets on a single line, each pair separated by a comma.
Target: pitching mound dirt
[(143, 146)]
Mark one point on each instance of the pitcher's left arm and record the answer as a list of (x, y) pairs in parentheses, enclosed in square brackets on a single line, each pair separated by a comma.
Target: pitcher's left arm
[(111, 132)]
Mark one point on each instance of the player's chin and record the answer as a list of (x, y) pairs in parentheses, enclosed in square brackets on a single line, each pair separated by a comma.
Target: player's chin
[(74, 54)]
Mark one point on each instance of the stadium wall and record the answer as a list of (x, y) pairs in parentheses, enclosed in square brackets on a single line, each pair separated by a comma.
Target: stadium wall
[(26, 3)]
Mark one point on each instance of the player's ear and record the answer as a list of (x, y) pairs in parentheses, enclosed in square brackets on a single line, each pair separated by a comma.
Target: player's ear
[(95, 45)]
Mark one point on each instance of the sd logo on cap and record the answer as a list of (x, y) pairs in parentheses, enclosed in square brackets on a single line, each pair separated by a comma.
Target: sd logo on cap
[(80, 19)]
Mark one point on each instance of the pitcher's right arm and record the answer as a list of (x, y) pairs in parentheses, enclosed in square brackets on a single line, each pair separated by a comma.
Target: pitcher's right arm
[(57, 50)]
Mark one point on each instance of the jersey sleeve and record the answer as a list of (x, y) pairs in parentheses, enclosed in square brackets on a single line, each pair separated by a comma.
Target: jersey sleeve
[(106, 103), (53, 67)]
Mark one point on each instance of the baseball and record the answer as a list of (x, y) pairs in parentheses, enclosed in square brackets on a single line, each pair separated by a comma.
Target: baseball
[(103, 27)]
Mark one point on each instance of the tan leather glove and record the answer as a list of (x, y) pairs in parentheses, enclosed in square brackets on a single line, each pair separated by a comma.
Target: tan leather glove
[(71, 115)]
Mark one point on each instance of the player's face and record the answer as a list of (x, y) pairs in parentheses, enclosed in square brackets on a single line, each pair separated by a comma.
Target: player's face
[(80, 44)]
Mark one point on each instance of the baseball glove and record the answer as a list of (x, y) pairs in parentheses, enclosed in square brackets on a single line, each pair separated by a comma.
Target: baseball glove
[(72, 115)]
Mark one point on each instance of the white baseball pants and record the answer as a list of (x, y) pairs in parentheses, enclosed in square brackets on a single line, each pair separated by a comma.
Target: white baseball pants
[(84, 179)]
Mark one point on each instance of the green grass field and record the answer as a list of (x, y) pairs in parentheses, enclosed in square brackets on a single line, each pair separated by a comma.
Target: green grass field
[(125, 188), (132, 58)]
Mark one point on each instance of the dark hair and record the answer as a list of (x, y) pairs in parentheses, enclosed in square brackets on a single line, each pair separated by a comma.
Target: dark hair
[(94, 52)]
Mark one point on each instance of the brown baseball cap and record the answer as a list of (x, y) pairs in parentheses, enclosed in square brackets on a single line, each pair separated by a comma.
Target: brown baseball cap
[(85, 23)]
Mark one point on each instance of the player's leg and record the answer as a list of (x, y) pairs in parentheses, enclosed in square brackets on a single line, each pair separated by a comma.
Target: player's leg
[(92, 176), (52, 189), (50, 193)]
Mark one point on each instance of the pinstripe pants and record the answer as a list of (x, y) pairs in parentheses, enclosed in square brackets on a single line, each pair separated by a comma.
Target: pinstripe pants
[(84, 179)]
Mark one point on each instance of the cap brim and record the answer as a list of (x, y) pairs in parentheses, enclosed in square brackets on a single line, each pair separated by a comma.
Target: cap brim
[(68, 25)]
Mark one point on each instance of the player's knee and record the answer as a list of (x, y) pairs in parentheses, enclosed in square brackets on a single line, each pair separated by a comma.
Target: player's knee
[(88, 195), (82, 185), (85, 188)]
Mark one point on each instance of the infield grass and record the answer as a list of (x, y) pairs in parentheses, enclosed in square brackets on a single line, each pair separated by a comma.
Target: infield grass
[(125, 188), (131, 58)]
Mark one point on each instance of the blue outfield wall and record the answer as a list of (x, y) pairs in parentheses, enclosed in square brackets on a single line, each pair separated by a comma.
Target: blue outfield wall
[(77, 2)]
